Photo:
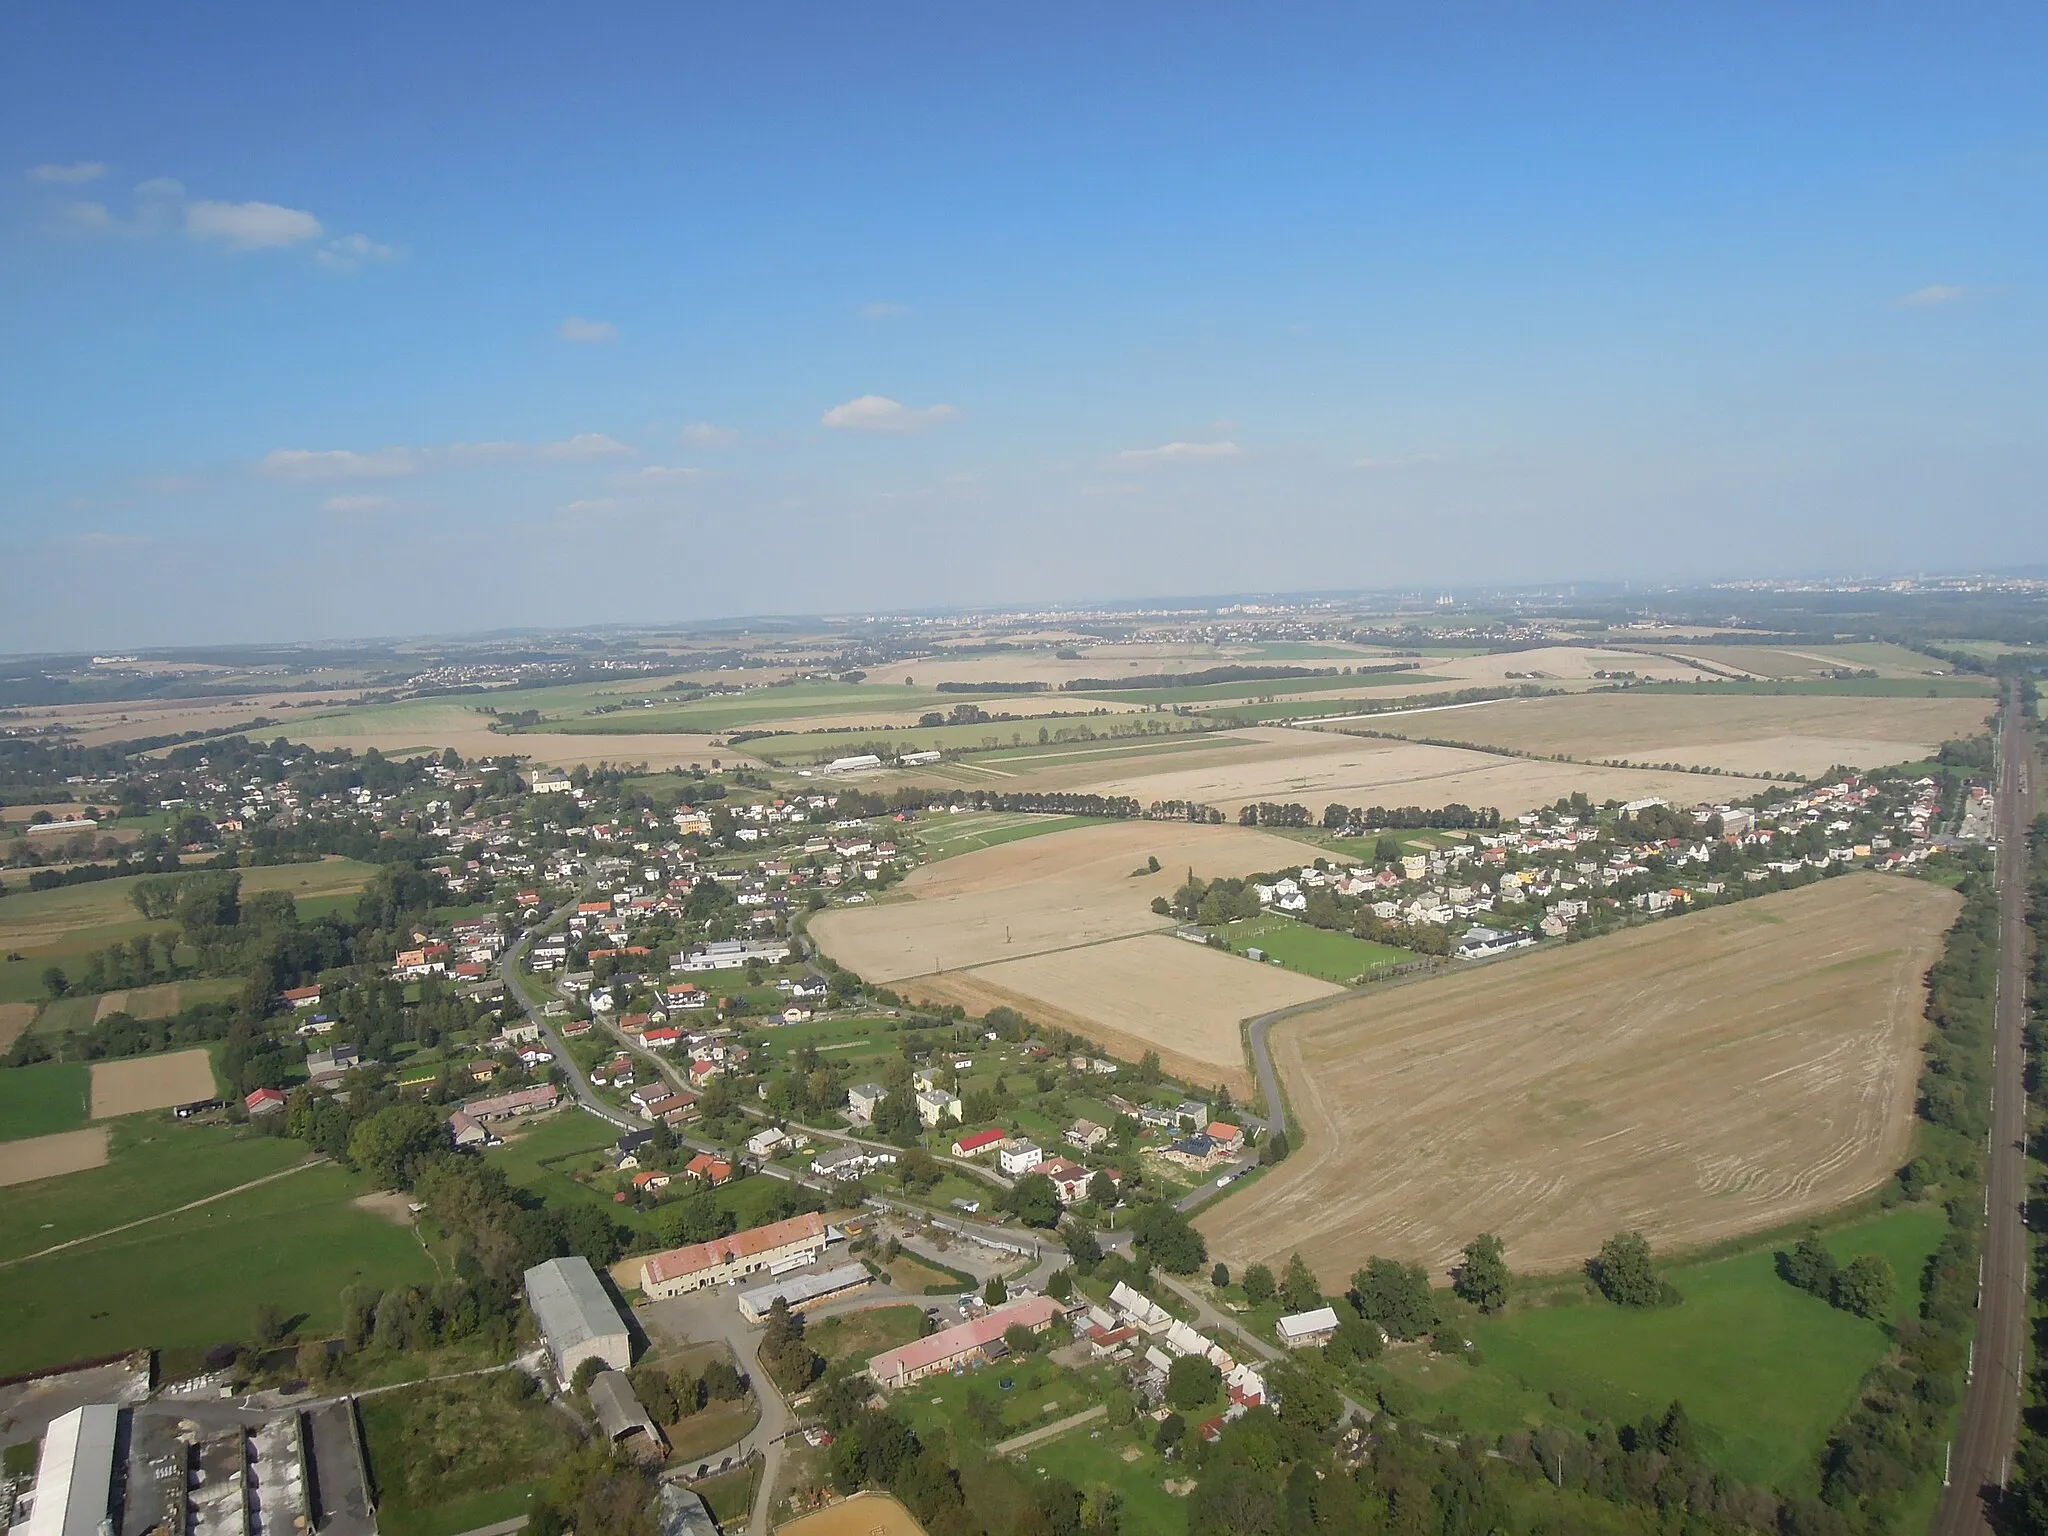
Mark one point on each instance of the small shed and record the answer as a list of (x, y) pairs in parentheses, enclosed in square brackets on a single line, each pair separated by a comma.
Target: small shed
[(619, 1413)]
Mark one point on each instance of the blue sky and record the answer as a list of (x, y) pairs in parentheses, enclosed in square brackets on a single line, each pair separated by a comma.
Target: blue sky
[(386, 319)]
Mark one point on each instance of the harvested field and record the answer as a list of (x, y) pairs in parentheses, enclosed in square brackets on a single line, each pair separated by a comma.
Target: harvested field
[(1805, 734), (15, 1019), (1561, 664), (1314, 768), (44, 1157), (1697, 1078), (865, 1514), (1040, 894), (1153, 992), (150, 1082), (156, 1002)]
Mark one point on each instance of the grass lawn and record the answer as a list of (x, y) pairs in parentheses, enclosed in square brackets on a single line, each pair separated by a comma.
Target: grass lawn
[(1764, 1370), (908, 1273), (450, 1456), (1337, 957), (194, 1280), (863, 1335), (730, 1495), (1094, 1455), (1040, 1393), (36, 1101), (153, 1166), (712, 1428)]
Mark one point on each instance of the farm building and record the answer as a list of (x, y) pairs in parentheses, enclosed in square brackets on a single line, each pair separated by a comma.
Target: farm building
[(577, 1317), (466, 1131), (779, 1246), (1306, 1330), (804, 1291), (618, 1410), (264, 1101), (964, 1344), (980, 1142), (75, 1474)]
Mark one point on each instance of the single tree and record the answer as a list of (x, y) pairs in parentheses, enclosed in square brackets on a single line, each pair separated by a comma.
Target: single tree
[(1624, 1272), (995, 1293), (1258, 1285), (1810, 1266), (1866, 1287), (1300, 1290), (1220, 1276), (1483, 1277)]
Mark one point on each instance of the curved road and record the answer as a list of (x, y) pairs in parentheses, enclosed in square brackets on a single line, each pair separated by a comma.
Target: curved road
[(1981, 1454)]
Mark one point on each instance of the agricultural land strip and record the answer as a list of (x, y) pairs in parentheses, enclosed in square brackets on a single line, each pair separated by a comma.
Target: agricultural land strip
[(1722, 1073)]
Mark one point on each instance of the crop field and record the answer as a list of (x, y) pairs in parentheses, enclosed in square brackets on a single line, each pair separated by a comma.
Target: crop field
[(47, 1157), (1697, 1078), (1319, 952), (1738, 733), (296, 1242), (1038, 895), (150, 1082), (1787, 662), (1314, 768), (35, 1101), (1266, 688), (1152, 992), (15, 1019)]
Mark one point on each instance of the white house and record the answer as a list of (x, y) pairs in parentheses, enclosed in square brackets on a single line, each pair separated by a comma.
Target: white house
[(1019, 1157), (1305, 1330), (936, 1106)]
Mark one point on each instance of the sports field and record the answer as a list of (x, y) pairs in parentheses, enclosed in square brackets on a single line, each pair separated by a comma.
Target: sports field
[(1740, 733), (1337, 957), (865, 1514), (150, 1082), (1697, 1078)]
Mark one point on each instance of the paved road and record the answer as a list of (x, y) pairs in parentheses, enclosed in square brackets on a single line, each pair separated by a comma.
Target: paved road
[(1207, 1316), (1982, 1452), (579, 1081)]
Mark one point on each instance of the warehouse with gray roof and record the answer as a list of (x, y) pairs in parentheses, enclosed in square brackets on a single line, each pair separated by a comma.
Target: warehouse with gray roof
[(577, 1316)]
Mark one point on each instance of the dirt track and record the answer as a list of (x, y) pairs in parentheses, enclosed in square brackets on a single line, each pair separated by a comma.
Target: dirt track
[(1695, 1078)]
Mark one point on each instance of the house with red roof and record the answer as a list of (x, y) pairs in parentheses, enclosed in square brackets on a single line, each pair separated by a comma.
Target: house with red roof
[(980, 1142)]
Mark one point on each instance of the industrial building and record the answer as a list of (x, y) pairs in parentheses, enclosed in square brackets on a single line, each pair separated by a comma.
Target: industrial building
[(803, 1291), (577, 1316), (964, 1344)]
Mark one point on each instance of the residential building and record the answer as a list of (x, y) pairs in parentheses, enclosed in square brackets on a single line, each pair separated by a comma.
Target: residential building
[(1019, 1157), (1306, 1330), (862, 1099), (936, 1106), (780, 1245), (849, 1163), (1086, 1135), (964, 1344)]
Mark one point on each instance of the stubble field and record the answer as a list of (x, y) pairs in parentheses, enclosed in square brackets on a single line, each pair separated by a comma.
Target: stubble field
[(1051, 926), (44, 1157), (1748, 734), (150, 1082), (1701, 1077)]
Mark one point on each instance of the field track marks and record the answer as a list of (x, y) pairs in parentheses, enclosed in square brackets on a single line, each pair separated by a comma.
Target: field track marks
[(143, 1221)]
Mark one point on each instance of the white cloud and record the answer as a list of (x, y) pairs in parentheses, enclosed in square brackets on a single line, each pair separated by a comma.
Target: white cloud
[(703, 435), (576, 328), (588, 506), (1934, 295), (161, 187), (354, 503), (340, 464), (878, 413), (69, 175), (92, 217), (305, 464), (884, 309), (348, 253), (250, 226), (584, 445), (1174, 453)]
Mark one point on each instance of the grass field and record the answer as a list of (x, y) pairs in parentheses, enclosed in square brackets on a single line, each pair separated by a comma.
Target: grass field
[(1337, 957), (944, 836), (36, 1101), (1262, 688), (452, 1455), (1959, 687), (153, 1167), (295, 1242), (1764, 1370), (1713, 1074), (862, 1335)]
